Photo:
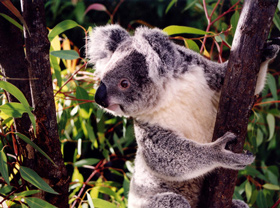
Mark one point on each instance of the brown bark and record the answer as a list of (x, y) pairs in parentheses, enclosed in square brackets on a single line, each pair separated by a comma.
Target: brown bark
[(37, 54), (14, 66), (237, 96), (37, 88)]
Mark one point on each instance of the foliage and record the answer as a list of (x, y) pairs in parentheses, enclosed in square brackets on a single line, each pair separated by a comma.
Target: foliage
[(98, 148)]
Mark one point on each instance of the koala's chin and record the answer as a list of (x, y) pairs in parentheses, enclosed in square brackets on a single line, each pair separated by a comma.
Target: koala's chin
[(115, 109)]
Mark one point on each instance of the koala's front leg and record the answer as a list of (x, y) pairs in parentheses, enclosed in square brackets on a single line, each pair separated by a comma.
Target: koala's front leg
[(238, 204), (175, 158), (167, 200)]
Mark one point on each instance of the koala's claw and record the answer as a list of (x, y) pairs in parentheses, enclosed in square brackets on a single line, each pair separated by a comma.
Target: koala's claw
[(270, 50), (230, 159), (226, 138)]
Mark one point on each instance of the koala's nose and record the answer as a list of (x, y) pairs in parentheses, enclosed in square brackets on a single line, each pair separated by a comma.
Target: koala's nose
[(101, 95)]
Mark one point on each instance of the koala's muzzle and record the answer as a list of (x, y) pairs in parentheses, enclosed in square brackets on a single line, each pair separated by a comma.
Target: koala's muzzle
[(101, 95)]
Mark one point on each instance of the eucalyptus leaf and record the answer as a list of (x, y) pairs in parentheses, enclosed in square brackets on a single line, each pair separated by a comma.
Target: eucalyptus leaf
[(4, 166), (62, 27), (90, 200), (261, 200), (272, 85), (191, 45), (66, 54), (27, 193), (57, 70), (271, 187), (248, 190), (11, 20), (14, 110), (271, 125), (34, 202), (35, 146), (19, 95), (175, 29), (172, 2), (193, 2), (100, 203), (88, 161), (276, 21), (32, 177)]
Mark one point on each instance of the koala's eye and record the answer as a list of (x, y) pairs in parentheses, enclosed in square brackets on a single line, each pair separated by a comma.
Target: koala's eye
[(124, 84)]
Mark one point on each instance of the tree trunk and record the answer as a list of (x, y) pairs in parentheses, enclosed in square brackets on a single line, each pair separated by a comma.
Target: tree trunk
[(37, 87), (37, 54), (237, 96), (14, 67)]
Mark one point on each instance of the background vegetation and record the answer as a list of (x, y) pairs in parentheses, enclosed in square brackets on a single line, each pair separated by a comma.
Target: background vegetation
[(99, 149)]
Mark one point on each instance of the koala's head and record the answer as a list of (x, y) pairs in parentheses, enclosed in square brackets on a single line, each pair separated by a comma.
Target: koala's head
[(132, 69)]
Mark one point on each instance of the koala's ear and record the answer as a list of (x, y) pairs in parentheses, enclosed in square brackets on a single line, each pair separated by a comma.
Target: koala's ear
[(160, 43), (103, 41)]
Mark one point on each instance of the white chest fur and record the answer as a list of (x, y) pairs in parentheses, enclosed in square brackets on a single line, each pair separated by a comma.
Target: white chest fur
[(188, 107)]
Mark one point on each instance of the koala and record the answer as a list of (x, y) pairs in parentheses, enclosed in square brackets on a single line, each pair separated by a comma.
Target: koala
[(172, 94)]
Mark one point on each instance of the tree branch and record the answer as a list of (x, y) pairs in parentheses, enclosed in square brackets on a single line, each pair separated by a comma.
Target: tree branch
[(237, 96)]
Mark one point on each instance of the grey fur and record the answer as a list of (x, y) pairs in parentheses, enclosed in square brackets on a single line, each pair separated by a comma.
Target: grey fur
[(172, 94)]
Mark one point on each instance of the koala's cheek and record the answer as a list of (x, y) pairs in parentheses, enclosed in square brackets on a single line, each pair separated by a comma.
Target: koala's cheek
[(101, 97)]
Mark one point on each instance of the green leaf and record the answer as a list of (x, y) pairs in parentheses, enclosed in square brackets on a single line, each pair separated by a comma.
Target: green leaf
[(252, 172), (61, 27), (126, 185), (18, 95), (90, 200), (175, 29), (66, 54), (78, 180), (271, 187), (32, 177), (27, 193), (11, 20), (4, 166), (190, 5), (172, 2), (248, 190), (88, 161), (100, 203), (276, 21), (117, 143), (271, 125), (191, 45), (57, 69), (108, 191), (259, 138), (234, 20), (35, 146), (90, 132), (272, 86), (254, 196), (13, 109), (84, 112), (261, 200), (34, 202)]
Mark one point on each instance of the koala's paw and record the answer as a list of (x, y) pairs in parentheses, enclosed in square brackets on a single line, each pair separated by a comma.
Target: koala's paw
[(229, 159), (238, 204), (271, 49), (221, 142)]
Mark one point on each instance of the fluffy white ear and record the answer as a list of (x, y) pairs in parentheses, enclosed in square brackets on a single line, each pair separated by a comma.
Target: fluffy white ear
[(103, 41), (160, 43)]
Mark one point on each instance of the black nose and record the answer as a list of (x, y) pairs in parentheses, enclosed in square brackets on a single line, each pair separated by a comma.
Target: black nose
[(101, 95)]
